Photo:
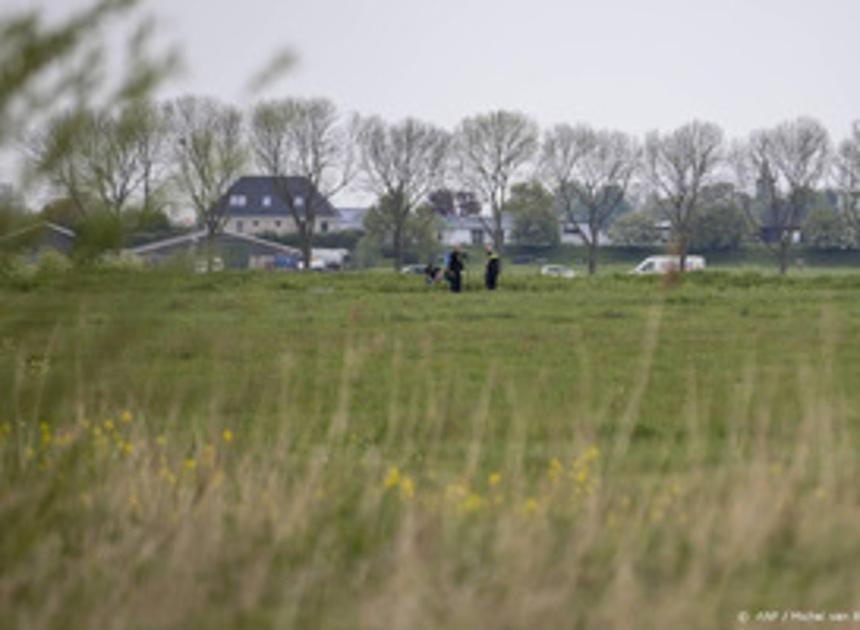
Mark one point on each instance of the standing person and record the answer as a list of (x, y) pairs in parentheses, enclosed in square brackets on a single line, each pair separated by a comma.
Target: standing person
[(454, 269), (493, 268)]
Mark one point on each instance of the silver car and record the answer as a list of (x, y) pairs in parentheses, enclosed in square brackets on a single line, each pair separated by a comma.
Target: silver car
[(557, 271)]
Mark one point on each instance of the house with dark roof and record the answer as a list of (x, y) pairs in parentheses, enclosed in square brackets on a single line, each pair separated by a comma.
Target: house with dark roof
[(258, 205)]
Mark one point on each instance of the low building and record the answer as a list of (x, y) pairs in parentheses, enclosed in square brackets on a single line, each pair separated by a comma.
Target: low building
[(351, 219), (472, 229), (38, 238), (231, 250), (575, 233)]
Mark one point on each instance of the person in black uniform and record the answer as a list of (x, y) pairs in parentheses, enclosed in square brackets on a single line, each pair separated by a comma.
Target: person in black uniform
[(493, 269), (454, 270)]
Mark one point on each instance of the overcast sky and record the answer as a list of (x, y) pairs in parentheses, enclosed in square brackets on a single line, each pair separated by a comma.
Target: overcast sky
[(629, 64), (633, 65)]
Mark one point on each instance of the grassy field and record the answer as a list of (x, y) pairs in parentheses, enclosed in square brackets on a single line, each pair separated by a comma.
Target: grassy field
[(359, 451)]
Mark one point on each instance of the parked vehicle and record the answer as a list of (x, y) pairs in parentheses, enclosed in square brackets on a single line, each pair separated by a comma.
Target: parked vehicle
[(666, 264), (332, 259), (557, 271), (416, 269), (317, 264)]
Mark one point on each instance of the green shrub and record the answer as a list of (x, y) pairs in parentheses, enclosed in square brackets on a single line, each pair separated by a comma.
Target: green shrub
[(53, 262)]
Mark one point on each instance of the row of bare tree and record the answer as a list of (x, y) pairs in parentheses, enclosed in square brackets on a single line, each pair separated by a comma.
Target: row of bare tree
[(198, 147)]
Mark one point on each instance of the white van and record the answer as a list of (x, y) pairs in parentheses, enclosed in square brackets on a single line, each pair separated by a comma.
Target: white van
[(665, 264)]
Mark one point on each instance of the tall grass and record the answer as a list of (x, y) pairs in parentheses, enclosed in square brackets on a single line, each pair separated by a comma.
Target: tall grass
[(162, 467)]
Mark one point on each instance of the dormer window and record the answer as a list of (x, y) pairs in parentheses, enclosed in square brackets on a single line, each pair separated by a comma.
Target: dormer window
[(238, 201), (267, 201)]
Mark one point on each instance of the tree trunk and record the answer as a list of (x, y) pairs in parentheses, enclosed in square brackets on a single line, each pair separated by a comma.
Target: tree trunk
[(592, 250), (783, 255), (498, 230), (306, 241), (592, 261), (210, 250), (397, 242), (682, 252)]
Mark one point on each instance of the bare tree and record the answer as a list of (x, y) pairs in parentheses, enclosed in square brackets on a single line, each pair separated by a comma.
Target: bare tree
[(589, 170), (678, 165), (209, 153), (847, 176), (492, 150), (401, 164), (787, 162), (303, 138), (151, 135), (92, 157), (110, 160)]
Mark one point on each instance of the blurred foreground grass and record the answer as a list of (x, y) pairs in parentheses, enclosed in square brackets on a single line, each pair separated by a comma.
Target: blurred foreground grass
[(357, 451)]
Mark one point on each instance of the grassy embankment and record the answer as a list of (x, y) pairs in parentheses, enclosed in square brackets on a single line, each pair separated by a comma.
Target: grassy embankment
[(358, 451)]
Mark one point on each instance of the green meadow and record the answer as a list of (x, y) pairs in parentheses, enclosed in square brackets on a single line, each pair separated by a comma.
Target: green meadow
[(357, 450)]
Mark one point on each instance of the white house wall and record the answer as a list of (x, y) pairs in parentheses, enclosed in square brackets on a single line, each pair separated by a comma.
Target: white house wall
[(255, 225)]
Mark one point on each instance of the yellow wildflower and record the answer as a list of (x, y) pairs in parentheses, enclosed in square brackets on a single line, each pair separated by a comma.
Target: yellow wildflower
[(126, 417), (30, 453), (227, 435), (109, 425), (208, 455), (407, 488), (555, 469), (530, 506), (392, 478), (161, 440), (190, 464), (168, 476), (472, 503), (591, 454), (64, 440), (494, 479), (128, 448)]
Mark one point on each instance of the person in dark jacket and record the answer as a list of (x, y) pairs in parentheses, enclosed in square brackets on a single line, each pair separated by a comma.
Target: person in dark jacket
[(431, 273), (493, 269), (454, 270)]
